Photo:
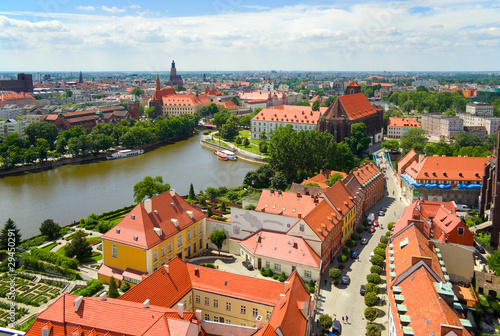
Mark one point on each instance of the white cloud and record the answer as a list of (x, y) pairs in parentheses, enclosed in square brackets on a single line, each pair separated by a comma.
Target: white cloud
[(86, 8), (113, 9), (134, 6)]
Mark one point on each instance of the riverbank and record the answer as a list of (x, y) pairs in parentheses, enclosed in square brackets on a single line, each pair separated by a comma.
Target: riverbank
[(240, 154), (47, 165)]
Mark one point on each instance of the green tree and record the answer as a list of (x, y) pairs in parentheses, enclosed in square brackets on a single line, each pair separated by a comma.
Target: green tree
[(150, 112), (235, 100), (377, 260), (124, 287), (315, 105), (209, 211), (42, 148), (191, 195), (246, 142), (333, 178), (376, 269), (50, 229), (325, 321), (372, 288), (221, 117), (230, 129), (391, 145), (408, 106), (373, 329), (373, 278), (223, 207), (493, 261), (41, 130), (278, 181), (415, 139), (233, 196), (334, 273), (113, 290), (149, 187), (263, 136), (371, 299), (10, 237), (371, 314), (217, 238), (379, 251), (79, 247), (263, 147), (137, 91), (359, 140)]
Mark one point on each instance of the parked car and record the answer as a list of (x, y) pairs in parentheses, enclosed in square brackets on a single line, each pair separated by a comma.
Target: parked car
[(370, 218), (381, 213), (346, 280), (362, 290), (384, 209), (364, 241), (372, 229), (375, 223), (337, 327), (354, 255), (479, 248)]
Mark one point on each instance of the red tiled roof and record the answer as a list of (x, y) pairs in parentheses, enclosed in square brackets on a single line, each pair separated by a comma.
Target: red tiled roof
[(356, 105), (403, 122), (340, 198), (323, 219), (290, 114), (159, 94), (322, 178), (185, 100), (164, 208), (285, 203), (366, 172), (408, 158), (448, 168), (228, 104)]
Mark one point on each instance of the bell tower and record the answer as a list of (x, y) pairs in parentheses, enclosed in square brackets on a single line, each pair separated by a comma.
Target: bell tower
[(173, 71)]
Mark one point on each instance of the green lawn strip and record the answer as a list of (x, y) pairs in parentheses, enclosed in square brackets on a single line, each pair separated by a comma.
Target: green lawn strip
[(62, 250), (94, 239), (49, 247)]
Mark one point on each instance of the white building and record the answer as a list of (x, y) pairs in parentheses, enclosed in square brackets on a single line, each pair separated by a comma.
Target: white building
[(10, 126), (442, 125), (10, 111), (399, 126), (492, 124), (479, 109)]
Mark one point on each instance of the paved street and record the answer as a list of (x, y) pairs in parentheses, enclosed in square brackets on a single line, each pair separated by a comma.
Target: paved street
[(342, 300)]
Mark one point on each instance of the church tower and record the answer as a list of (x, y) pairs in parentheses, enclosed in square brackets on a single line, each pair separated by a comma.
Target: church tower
[(81, 77), (352, 88), (173, 71), (158, 86)]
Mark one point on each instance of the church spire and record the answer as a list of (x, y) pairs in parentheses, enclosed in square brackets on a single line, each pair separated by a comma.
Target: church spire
[(158, 87), (81, 77)]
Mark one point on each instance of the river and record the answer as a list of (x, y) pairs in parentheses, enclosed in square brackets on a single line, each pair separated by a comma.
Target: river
[(67, 193)]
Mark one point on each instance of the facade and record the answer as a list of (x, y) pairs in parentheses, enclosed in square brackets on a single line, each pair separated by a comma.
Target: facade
[(88, 118), (372, 182), (175, 79), (479, 131), (230, 106), (228, 302), (33, 118), (71, 315), (350, 109), (15, 98), (183, 104), (338, 197), (491, 124), (442, 125), (479, 109), (154, 232), (11, 126), (441, 178), (10, 112), (269, 119), (23, 83), (398, 126)]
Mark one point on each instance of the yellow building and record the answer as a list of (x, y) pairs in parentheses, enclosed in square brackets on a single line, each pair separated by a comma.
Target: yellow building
[(154, 232)]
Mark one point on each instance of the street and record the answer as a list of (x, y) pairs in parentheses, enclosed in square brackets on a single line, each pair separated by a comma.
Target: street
[(345, 300)]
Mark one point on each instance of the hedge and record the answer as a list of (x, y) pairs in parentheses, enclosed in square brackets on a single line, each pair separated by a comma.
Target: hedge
[(93, 286), (55, 258), (372, 288), (371, 314), (377, 260), (382, 245)]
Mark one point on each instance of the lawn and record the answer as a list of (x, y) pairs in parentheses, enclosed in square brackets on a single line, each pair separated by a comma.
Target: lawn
[(252, 148), (49, 247)]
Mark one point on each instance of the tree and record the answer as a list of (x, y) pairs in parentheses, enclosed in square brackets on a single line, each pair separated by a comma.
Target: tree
[(325, 321), (150, 112), (376, 269), (233, 196), (379, 251), (230, 129), (278, 181), (10, 237), (191, 195), (50, 229), (221, 117), (113, 290), (124, 287), (372, 329), (493, 261), (42, 148), (223, 207), (334, 273), (359, 140), (391, 145), (371, 299), (333, 178), (235, 100), (246, 142), (41, 130), (79, 247), (209, 211), (315, 105), (371, 314), (414, 139), (149, 187), (373, 278), (263, 147), (377, 260), (217, 238), (372, 288), (137, 91)]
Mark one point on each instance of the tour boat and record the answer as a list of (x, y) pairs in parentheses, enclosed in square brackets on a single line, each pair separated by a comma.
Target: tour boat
[(225, 155), (125, 153)]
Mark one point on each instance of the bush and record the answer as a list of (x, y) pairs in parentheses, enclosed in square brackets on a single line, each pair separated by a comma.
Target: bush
[(376, 269), (346, 251), (238, 140), (334, 273), (282, 277), (270, 272), (373, 278), (233, 196), (390, 225), (365, 222), (372, 288), (387, 234), (342, 259), (223, 207), (325, 321), (55, 258), (355, 237), (371, 299), (384, 240), (382, 245), (359, 229), (250, 207), (312, 290), (263, 271), (222, 190), (379, 251), (350, 243), (275, 277), (93, 286), (124, 287), (373, 330), (377, 260), (371, 314)]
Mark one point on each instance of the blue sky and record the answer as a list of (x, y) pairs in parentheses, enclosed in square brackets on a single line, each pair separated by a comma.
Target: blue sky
[(321, 35)]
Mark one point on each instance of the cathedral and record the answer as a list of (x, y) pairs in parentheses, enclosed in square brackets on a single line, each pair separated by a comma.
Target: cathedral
[(352, 108), (175, 79)]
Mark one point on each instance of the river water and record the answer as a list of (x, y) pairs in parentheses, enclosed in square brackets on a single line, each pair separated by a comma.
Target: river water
[(67, 193)]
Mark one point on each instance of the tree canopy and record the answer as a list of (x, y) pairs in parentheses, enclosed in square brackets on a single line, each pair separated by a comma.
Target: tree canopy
[(11, 231), (50, 229), (149, 187), (217, 237), (79, 247), (415, 139), (359, 140)]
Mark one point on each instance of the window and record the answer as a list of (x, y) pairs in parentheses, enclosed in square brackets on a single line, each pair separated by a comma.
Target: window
[(197, 299), (179, 241), (169, 246), (155, 255), (201, 228), (228, 321), (163, 250), (461, 231), (190, 300), (216, 303), (189, 235), (255, 312), (201, 243), (113, 251), (243, 310), (194, 231), (207, 301), (307, 274), (268, 315), (268, 264), (194, 247), (221, 319), (216, 319), (277, 267), (228, 306), (207, 317)]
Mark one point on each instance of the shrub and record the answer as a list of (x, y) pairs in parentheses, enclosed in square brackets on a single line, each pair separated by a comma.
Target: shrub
[(202, 201), (54, 258), (377, 260), (390, 225), (371, 314), (372, 288), (238, 140), (371, 299), (373, 278), (250, 207), (270, 272), (365, 222), (384, 240), (233, 196), (355, 237), (334, 273), (275, 277), (350, 243), (373, 330), (342, 259), (93, 286), (222, 190), (124, 287), (326, 321), (312, 290), (263, 271), (282, 277), (346, 251), (376, 269), (223, 207), (359, 229), (382, 245), (379, 251), (311, 283), (387, 234)]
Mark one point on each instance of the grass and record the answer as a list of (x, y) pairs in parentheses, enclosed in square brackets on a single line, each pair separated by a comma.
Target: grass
[(62, 250), (49, 247), (94, 239)]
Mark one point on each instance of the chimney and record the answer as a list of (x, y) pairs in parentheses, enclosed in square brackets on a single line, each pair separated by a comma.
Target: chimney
[(197, 272), (257, 236), (156, 212), (421, 157), (198, 314), (287, 285), (190, 214), (180, 309), (299, 215), (103, 296), (78, 302), (148, 206), (166, 268), (282, 300), (172, 192), (145, 304), (258, 322), (175, 222)]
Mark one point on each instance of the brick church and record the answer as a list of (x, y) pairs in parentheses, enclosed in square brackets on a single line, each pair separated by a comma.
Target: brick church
[(175, 79), (350, 109)]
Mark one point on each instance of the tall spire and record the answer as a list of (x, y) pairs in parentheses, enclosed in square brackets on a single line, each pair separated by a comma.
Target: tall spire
[(158, 87), (81, 77)]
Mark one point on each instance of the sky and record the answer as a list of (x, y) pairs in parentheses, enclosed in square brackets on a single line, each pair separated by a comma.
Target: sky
[(244, 35)]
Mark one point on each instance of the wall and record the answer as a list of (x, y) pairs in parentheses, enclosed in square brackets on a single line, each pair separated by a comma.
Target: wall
[(244, 223), (126, 256), (458, 260), (213, 328)]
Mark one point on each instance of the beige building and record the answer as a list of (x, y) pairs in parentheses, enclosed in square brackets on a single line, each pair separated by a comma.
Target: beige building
[(11, 126), (182, 104), (492, 124), (442, 125), (33, 118), (479, 109)]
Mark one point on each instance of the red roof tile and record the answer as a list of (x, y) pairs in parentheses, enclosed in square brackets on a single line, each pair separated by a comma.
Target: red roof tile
[(356, 105), (448, 168), (285, 203), (290, 114), (403, 122)]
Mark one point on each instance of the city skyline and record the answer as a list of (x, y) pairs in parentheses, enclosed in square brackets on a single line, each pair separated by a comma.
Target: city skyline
[(238, 35)]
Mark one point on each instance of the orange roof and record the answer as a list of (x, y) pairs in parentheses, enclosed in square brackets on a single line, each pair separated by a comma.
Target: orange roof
[(168, 213), (228, 104), (290, 114), (322, 178), (403, 122), (366, 172), (340, 198), (110, 317), (383, 84), (159, 94), (356, 105), (408, 158), (285, 203), (279, 246), (448, 168), (14, 96), (185, 100), (323, 219)]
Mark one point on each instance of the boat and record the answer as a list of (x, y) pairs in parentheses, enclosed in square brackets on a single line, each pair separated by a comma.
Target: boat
[(125, 153), (225, 155), (222, 156)]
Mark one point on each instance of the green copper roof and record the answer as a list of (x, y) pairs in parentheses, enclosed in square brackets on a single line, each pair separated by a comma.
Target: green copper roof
[(397, 289), (408, 331)]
